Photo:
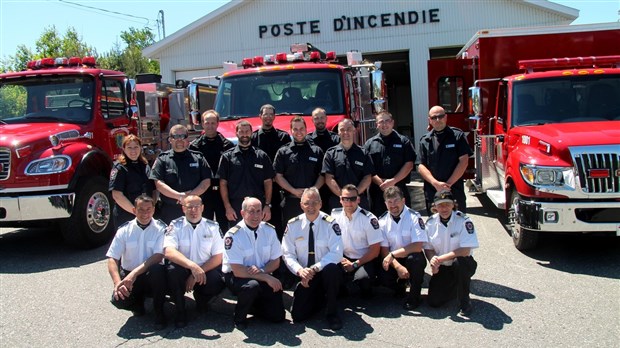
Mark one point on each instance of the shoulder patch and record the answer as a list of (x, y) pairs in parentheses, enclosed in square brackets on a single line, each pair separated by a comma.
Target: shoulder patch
[(374, 223), (291, 220), (421, 223), (336, 229), (228, 242), (113, 173), (234, 229), (328, 218), (469, 226), (169, 230)]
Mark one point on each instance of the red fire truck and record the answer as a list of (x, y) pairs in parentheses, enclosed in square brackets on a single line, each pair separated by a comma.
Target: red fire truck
[(544, 118), (295, 84)]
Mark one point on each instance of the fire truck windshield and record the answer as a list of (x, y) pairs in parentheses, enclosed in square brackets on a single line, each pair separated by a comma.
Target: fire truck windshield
[(294, 92), (566, 99), (66, 99)]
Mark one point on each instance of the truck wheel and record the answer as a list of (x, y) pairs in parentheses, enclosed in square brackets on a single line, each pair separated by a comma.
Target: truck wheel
[(90, 225), (522, 238)]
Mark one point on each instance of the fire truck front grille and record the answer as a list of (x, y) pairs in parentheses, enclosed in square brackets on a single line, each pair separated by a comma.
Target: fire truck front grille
[(5, 162), (598, 168)]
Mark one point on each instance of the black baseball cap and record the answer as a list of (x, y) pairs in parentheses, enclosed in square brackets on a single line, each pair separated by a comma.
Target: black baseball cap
[(443, 196)]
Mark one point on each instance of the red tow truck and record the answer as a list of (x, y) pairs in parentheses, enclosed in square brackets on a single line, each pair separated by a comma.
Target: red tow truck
[(295, 84), (543, 114)]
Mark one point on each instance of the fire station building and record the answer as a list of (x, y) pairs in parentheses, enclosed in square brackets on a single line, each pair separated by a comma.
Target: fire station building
[(404, 35)]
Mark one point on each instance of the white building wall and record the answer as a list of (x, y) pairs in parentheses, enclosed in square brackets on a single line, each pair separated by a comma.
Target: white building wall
[(235, 35)]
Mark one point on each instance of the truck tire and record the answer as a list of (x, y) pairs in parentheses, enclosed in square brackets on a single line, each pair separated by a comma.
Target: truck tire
[(90, 224), (522, 238)]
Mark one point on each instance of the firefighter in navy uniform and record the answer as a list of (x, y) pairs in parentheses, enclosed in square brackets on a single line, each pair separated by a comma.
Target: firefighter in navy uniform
[(312, 248), (251, 254), (403, 238), (443, 157), (212, 144), (134, 262), (361, 238), (451, 238), (297, 166), (393, 157), (347, 163), (179, 172), (193, 246)]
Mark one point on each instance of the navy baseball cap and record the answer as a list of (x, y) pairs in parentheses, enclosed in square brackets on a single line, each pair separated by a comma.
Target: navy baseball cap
[(443, 196)]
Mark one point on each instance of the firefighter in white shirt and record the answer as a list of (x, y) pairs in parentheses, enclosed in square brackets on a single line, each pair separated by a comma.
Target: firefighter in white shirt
[(193, 246), (134, 262), (314, 260), (452, 237), (251, 254), (361, 237), (403, 238)]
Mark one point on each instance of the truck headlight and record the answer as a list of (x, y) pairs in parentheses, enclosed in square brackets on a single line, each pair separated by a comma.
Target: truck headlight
[(50, 165), (547, 176)]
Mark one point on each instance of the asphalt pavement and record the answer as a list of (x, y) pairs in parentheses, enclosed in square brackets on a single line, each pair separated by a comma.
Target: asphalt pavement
[(565, 293)]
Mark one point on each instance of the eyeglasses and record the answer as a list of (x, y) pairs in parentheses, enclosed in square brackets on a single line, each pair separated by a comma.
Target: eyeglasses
[(310, 203), (349, 199), (179, 136), (253, 212), (438, 117), (192, 207)]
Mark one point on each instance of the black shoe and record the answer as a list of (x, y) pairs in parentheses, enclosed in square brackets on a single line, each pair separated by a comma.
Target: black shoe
[(160, 322), (180, 320), (466, 309), (411, 304), (400, 292), (138, 309), (241, 325), (334, 322)]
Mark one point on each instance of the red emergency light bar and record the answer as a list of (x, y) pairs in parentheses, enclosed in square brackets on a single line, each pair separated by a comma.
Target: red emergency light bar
[(284, 58), (61, 62), (569, 62)]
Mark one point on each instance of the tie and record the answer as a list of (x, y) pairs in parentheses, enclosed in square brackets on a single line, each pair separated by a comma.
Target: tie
[(311, 259)]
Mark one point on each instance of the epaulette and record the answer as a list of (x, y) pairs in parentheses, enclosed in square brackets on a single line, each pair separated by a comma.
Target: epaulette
[(461, 214), (291, 220), (412, 211), (270, 225), (365, 212), (384, 214), (328, 218), (211, 221), (177, 220), (234, 229), (123, 225), (337, 210), (158, 221)]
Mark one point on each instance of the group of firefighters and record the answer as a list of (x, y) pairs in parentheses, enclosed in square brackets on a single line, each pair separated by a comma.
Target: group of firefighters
[(273, 213)]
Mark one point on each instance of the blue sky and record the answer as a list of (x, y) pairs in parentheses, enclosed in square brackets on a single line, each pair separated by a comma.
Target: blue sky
[(23, 21)]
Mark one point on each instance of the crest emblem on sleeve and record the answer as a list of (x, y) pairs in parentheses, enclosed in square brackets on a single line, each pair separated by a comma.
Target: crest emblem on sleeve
[(421, 223), (228, 242), (469, 226), (374, 223), (113, 173), (169, 230), (336, 229)]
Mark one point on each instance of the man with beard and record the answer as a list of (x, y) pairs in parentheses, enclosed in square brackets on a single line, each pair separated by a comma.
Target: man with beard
[(245, 171), (270, 139), (323, 138), (212, 144), (179, 172)]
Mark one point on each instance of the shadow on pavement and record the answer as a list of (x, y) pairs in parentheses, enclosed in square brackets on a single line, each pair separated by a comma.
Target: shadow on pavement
[(33, 250), (487, 289)]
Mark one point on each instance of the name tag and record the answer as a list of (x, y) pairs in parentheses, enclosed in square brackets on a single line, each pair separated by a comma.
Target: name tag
[(398, 146), (449, 146), (258, 166), (359, 163), (193, 165), (299, 238), (313, 159)]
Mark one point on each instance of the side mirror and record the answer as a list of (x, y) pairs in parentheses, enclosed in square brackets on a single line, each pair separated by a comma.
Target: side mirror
[(194, 103), (475, 101)]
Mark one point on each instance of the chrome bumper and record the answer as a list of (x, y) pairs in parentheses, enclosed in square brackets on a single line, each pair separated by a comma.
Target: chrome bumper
[(568, 216), (32, 208)]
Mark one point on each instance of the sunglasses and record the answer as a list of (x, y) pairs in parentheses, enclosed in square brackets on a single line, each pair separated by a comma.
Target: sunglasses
[(349, 199), (438, 117), (179, 136)]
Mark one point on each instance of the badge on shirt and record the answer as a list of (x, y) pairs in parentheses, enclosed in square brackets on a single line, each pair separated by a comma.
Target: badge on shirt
[(421, 223), (228, 241), (374, 223), (336, 228), (449, 146), (398, 146), (258, 166), (469, 226), (359, 163), (193, 165), (313, 159)]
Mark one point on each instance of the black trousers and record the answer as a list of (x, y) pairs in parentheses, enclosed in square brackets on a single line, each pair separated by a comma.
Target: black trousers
[(323, 291), (177, 276), (415, 264), (170, 211), (452, 281), (364, 276), (150, 283), (290, 208), (214, 207), (257, 296)]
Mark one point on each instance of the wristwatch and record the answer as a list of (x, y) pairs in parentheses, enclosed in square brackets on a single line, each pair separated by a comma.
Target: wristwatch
[(356, 265), (269, 205)]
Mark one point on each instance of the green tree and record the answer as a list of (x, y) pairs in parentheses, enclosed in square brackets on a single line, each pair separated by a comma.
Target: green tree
[(130, 59)]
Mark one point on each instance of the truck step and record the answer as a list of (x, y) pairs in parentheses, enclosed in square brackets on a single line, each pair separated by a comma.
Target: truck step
[(498, 198)]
